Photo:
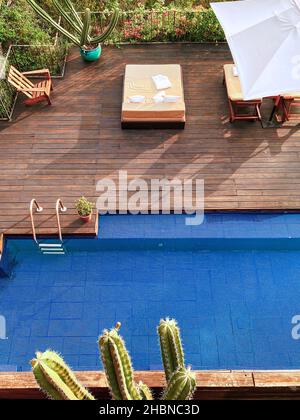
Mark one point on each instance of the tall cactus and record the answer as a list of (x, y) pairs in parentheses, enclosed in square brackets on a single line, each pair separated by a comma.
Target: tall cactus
[(56, 379), (171, 347), (117, 365), (81, 27)]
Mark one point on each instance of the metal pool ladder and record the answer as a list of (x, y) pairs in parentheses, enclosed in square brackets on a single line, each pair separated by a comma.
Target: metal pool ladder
[(48, 248)]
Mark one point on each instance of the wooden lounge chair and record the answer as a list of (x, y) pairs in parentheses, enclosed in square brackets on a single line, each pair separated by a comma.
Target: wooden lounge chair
[(237, 105), (35, 92)]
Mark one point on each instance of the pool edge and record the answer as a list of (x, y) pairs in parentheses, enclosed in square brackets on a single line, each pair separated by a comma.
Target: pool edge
[(214, 385)]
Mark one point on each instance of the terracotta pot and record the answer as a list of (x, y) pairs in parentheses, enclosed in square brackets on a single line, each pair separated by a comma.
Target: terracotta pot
[(86, 219)]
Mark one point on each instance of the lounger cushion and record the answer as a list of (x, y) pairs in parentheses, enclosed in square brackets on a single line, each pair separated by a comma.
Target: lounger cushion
[(233, 84), (138, 81)]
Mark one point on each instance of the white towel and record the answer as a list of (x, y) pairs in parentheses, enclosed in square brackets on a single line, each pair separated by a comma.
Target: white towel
[(235, 71), (137, 99), (161, 82), (159, 97), (171, 98)]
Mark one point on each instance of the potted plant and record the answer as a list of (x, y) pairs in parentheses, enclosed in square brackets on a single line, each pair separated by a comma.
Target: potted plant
[(85, 209), (90, 46)]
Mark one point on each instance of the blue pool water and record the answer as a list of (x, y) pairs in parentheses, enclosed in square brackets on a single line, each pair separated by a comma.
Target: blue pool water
[(232, 283)]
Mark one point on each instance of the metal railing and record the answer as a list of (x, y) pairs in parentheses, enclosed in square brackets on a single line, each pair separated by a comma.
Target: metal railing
[(39, 209), (59, 208), (166, 25)]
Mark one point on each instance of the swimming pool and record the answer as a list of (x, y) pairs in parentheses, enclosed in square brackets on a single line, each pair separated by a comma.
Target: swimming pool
[(233, 284)]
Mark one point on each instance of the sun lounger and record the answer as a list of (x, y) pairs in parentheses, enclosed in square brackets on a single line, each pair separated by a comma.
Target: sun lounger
[(238, 107), (152, 113)]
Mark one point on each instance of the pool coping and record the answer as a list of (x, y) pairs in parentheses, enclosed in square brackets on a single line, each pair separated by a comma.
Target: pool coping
[(216, 385)]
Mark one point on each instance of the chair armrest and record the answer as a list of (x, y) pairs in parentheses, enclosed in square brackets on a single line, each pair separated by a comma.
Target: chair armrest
[(32, 90), (37, 72)]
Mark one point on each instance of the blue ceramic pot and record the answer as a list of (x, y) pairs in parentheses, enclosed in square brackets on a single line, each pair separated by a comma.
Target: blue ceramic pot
[(91, 55)]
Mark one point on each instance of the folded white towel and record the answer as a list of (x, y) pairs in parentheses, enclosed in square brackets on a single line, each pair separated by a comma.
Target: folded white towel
[(137, 99), (235, 71), (159, 97), (171, 98), (161, 82)]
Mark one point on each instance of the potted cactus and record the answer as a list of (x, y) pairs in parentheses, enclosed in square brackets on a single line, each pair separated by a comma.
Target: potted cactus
[(84, 208), (90, 46)]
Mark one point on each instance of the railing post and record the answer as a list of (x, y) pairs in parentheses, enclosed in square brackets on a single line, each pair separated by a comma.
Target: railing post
[(39, 209), (63, 209)]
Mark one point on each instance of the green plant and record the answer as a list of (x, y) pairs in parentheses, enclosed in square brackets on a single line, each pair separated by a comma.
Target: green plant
[(181, 382), (118, 367), (56, 379), (171, 347), (84, 207), (81, 27)]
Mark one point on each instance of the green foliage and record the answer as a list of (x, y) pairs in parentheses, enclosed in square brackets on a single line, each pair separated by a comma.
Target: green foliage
[(56, 379), (168, 25), (18, 25), (84, 207)]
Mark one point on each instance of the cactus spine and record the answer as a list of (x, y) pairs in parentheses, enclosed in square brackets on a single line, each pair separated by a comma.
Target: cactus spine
[(181, 386), (117, 365), (82, 28), (171, 347), (56, 379)]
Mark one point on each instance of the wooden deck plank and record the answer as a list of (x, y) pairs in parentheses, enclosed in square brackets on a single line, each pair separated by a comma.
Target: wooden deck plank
[(63, 150)]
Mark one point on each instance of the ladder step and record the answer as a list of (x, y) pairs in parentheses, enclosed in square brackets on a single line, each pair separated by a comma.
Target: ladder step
[(54, 253), (52, 250), (50, 245)]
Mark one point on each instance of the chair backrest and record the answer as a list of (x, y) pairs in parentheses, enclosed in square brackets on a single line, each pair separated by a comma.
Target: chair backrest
[(19, 81)]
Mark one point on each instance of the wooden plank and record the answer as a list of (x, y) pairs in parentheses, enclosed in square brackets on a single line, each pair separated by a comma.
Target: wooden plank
[(211, 384)]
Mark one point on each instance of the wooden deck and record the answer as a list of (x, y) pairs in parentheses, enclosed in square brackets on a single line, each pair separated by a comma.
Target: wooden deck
[(63, 150)]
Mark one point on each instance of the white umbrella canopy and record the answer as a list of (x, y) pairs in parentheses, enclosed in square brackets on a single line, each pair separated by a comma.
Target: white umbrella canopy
[(264, 39)]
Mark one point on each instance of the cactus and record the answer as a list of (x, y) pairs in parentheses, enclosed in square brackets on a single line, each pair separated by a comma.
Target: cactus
[(145, 391), (81, 27), (56, 379), (117, 365), (171, 347), (181, 386)]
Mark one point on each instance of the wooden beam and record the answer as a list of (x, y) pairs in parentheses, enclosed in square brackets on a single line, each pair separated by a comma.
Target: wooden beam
[(211, 384)]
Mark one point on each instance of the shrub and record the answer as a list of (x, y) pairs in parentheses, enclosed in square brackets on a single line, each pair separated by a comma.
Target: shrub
[(84, 207), (18, 25)]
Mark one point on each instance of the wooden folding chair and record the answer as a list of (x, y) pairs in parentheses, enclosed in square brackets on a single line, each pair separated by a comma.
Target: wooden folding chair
[(35, 92), (237, 105), (289, 102)]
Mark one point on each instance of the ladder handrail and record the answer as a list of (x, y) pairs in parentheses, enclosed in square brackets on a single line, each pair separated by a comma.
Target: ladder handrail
[(39, 209), (59, 207)]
